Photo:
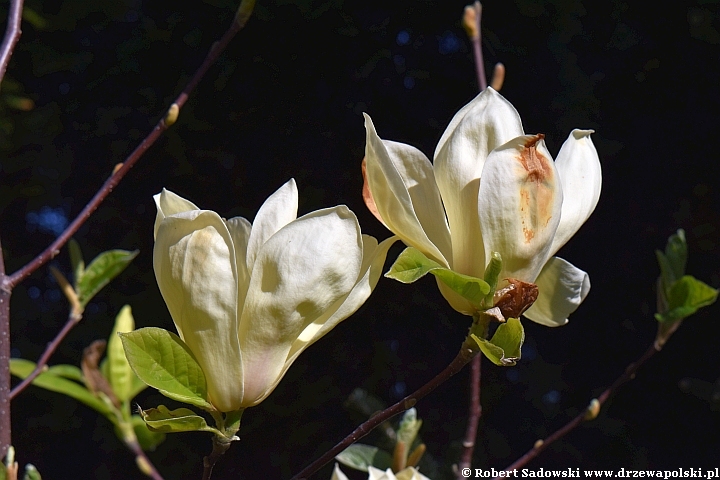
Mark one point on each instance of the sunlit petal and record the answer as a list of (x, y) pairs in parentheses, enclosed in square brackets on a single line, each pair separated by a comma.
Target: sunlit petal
[(562, 287), (579, 169)]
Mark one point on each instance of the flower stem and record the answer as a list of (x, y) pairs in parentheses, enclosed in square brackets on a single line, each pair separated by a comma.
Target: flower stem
[(220, 446), (464, 356), (474, 413), (589, 413), (12, 35)]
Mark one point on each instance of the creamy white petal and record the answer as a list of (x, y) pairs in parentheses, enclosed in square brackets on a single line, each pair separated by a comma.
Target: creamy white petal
[(338, 474), (374, 256), (410, 473), (300, 272), (579, 169), (562, 288), (485, 123), (377, 474), (169, 203), (278, 210), (194, 262), (240, 229), (402, 184), (519, 206)]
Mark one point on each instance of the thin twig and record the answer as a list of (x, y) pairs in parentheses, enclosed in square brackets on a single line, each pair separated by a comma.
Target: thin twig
[(12, 35), (7, 283), (143, 462), (72, 320), (463, 357), (588, 414), (474, 413), (476, 40)]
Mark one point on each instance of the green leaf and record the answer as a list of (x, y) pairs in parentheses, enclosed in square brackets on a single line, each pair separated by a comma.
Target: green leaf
[(22, 368), (76, 261), (408, 429), (147, 439), (360, 457), (504, 348), (172, 421), (164, 362), (672, 262), (685, 297), (31, 473), (412, 265), (101, 270), (119, 374), (71, 372)]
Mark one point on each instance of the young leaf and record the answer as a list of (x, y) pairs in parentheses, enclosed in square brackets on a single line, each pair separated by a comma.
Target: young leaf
[(71, 372), (31, 473), (164, 362), (76, 260), (409, 427), (119, 374), (172, 421), (685, 297), (101, 271), (412, 265), (360, 457), (22, 368), (504, 348)]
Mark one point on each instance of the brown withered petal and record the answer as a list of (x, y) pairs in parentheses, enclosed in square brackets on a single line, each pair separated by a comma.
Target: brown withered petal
[(515, 298), (94, 380)]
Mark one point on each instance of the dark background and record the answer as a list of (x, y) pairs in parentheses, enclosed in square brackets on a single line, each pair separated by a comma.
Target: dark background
[(286, 100)]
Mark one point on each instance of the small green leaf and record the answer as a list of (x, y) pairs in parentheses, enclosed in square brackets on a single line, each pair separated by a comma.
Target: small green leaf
[(672, 262), (101, 271), (71, 372), (31, 473), (76, 260), (164, 362), (360, 457), (22, 368), (172, 421), (147, 439), (408, 429), (119, 374), (504, 348), (412, 265), (685, 297)]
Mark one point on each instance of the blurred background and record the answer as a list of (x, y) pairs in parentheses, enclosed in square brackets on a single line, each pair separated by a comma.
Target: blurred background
[(88, 81)]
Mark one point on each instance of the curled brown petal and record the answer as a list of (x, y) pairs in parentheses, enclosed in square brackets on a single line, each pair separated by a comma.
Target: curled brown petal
[(515, 298)]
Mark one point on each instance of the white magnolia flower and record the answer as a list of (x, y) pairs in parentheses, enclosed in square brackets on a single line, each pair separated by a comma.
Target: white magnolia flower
[(409, 473), (248, 299), (491, 189)]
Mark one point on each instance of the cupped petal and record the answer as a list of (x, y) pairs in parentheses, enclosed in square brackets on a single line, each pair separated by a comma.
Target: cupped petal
[(279, 209), (402, 184), (485, 123), (580, 174), (240, 229), (169, 203), (562, 287), (299, 273), (374, 256), (410, 473), (194, 263), (377, 474), (519, 206)]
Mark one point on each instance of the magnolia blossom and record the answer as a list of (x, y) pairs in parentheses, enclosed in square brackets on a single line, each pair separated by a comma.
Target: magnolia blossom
[(490, 189), (248, 299), (409, 473)]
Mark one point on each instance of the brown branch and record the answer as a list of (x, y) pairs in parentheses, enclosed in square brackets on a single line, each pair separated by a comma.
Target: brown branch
[(72, 320), (5, 433), (466, 354), (219, 449), (474, 413), (12, 35), (588, 414)]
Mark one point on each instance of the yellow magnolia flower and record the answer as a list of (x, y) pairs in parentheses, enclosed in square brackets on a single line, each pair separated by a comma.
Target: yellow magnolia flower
[(248, 299), (409, 473), (491, 189)]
